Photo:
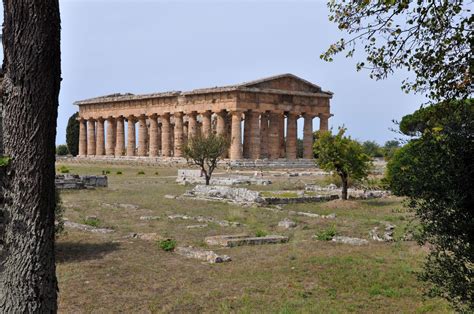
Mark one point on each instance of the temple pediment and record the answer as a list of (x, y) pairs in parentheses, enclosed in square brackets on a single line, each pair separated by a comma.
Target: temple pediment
[(288, 82)]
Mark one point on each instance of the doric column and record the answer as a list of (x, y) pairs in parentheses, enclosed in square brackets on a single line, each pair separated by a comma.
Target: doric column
[(220, 123), (158, 136), (308, 136), (142, 135), (120, 137), (91, 137), (185, 132), (324, 121), (236, 136), (100, 140), (281, 135), (291, 129), (165, 135), (206, 123), (178, 134), (172, 139), (192, 124), (274, 136), (264, 135), (109, 143), (131, 141), (254, 140), (153, 136), (82, 137), (247, 126)]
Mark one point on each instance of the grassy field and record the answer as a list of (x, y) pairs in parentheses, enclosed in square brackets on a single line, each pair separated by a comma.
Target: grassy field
[(108, 273)]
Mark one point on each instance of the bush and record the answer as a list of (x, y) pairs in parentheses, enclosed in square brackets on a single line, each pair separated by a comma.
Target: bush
[(141, 172), (61, 150), (168, 245), (63, 169), (92, 221), (119, 172), (260, 233), (327, 234)]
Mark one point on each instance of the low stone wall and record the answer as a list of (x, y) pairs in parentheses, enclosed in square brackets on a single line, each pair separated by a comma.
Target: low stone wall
[(75, 182), (224, 193), (194, 176), (299, 200), (172, 161)]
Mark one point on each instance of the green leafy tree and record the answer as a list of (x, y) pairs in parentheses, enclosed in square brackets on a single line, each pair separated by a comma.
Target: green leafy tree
[(343, 155), (72, 134), (206, 151), (390, 148), (432, 39), (435, 170), (62, 150), (372, 149)]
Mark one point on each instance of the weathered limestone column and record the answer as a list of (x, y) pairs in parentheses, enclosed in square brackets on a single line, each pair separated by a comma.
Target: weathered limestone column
[(172, 139), (153, 136), (274, 136), (308, 136), (236, 136), (82, 137), (254, 140), (142, 135), (131, 142), (114, 137), (291, 129), (192, 124), (109, 144), (220, 125), (247, 131), (185, 132), (91, 137), (206, 123), (158, 138), (178, 134), (264, 135), (281, 135), (120, 137), (324, 121), (165, 135), (100, 140)]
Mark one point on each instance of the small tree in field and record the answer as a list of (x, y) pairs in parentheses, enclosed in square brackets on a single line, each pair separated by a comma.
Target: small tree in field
[(206, 151), (343, 155)]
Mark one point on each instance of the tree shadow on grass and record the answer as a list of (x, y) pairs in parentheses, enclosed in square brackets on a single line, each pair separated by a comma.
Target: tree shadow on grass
[(379, 202), (77, 252)]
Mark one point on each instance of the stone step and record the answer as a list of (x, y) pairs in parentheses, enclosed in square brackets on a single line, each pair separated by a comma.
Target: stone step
[(238, 240)]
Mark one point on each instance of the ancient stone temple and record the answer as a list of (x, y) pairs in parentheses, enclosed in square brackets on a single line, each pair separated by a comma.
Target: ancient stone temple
[(260, 118)]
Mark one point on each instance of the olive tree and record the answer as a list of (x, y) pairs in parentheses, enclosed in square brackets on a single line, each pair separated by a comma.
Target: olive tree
[(345, 156), (205, 152)]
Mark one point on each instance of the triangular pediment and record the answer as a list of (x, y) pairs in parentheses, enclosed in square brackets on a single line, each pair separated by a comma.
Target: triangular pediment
[(287, 82)]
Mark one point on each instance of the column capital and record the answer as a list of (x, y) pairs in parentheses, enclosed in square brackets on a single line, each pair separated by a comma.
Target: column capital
[(91, 119), (153, 116), (100, 119), (131, 118), (205, 112), (178, 114)]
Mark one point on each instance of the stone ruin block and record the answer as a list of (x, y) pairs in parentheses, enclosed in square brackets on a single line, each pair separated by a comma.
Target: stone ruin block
[(74, 181), (243, 239), (200, 254)]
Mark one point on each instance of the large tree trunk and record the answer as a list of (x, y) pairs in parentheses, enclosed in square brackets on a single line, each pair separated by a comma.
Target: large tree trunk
[(31, 45)]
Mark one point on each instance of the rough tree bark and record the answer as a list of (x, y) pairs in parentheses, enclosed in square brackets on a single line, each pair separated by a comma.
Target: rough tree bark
[(31, 45)]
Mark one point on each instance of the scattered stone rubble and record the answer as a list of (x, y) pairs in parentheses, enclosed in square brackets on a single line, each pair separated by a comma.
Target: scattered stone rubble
[(197, 226), (87, 228), (349, 240), (387, 234), (193, 176), (200, 254), (120, 205), (313, 215), (287, 223), (352, 193), (222, 223), (149, 217), (244, 239), (75, 182), (301, 198)]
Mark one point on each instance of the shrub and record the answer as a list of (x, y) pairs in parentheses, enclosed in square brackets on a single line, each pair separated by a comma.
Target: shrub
[(141, 172), (327, 234), (72, 134), (92, 221), (260, 233), (61, 150), (119, 172), (63, 169), (156, 173), (168, 245)]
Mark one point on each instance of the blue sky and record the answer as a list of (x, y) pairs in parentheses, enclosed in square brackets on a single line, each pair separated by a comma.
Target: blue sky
[(150, 46)]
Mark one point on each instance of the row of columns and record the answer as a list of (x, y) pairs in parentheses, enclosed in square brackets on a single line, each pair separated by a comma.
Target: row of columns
[(263, 134)]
